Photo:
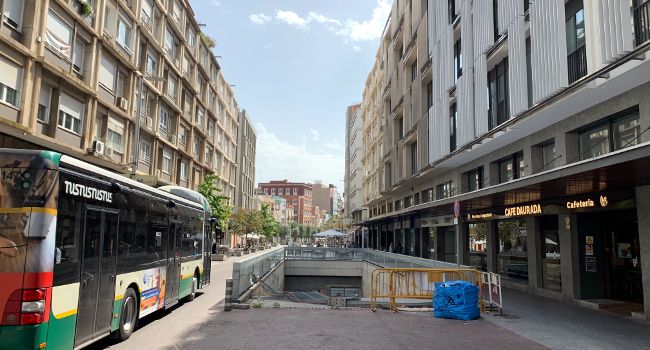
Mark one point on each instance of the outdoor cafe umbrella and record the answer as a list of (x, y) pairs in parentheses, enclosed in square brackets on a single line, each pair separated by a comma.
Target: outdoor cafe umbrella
[(329, 234)]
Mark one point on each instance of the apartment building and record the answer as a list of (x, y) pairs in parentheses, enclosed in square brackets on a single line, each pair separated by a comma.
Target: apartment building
[(299, 198), (129, 85), (354, 209), (277, 207), (515, 141), (246, 145), (325, 197)]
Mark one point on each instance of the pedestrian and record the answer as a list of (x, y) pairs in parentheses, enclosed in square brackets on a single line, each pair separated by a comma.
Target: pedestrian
[(390, 247), (399, 248)]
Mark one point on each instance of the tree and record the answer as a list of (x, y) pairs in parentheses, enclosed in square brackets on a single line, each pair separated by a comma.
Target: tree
[(245, 222), (220, 209), (269, 225)]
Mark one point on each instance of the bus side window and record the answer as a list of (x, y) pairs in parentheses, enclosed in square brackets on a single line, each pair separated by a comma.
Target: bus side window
[(68, 240)]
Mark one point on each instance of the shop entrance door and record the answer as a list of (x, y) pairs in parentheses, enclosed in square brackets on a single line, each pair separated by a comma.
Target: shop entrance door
[(610, 263)]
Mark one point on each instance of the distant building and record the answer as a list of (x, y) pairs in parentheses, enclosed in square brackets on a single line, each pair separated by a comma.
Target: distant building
[(246, 146), (353, 165), (298, 195), (325, 197)]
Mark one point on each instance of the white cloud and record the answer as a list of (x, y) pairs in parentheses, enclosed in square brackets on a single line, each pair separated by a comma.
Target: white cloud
[(369, 29), (322, 19), (291, 18), (315, 135), (268, 46), (216, 3), (334, 145), (282, 159), (259, 18), (356, 48)]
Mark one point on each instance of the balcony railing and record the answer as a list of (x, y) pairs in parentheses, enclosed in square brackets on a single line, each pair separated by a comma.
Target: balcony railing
[(642, 23), (577, 64)]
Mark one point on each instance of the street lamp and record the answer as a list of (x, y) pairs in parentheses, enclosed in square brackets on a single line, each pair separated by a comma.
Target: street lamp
[(136, 144)]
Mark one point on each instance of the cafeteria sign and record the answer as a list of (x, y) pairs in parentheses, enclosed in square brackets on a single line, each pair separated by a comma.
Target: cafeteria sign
[(531, 209)]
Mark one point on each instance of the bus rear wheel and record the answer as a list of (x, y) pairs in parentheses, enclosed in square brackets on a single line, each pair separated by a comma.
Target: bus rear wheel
[(128, 315)]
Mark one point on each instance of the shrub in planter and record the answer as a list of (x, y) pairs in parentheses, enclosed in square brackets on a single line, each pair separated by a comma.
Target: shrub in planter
[(84, 8)]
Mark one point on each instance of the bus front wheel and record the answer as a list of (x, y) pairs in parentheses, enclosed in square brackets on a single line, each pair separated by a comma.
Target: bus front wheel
[(128, 316)]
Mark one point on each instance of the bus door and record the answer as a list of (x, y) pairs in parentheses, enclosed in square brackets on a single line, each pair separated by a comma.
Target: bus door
[(173, 263), (97, 287)]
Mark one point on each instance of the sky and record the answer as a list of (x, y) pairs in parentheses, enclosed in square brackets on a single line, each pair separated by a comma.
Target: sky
[(296, 66)]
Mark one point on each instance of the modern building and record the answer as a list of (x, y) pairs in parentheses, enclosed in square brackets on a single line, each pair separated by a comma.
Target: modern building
[(325, 197), (353, 165), (515, 141), (299, 197), (246, 145), (71, 81)]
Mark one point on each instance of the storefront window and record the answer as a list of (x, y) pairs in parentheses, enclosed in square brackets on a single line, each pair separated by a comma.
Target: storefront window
[(512, 257), (478, 245), (552, 277)]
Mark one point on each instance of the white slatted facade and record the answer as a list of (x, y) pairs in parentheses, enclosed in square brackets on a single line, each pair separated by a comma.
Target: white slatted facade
[(465, 102), (549, 60), (517, 78), (483, 26), (614, 29), (480, 95)]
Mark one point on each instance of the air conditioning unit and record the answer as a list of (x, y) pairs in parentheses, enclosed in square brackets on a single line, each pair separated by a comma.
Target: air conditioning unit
[(122, 103), (149, 121), (172, 138), (108, 151), (98, 146)]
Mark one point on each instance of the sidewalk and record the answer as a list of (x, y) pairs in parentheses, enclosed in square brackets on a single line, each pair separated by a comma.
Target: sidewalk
[(559, 325)]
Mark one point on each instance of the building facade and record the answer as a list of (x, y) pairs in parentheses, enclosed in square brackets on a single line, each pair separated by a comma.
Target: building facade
[(325, 197), (72, 81), (246, 146), (299, 198), (353, 165), (515, 141)]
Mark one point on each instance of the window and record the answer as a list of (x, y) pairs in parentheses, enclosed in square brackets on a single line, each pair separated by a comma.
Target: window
[(575, 40), (511, 168), (430, 95), (196, 146), (512, 256), (167, 162), (208, 155), (199, 117), (414, 158), (183, 171), (451, 9), (164, 119), (498, 104), (70, 113), (495, 18), (617, 133), (182, 138), (145, 152), (474, 179), (78, 56), (266, 191), (452, 127), (445, 190), (107, 72), (58, 35), (171, 86), (169, 42), (152, 65), (114, 136), (549, 158), (220, 136), (44, 102), (641, 10), (280, 191), (273, 191), (10, 81), (124, 34), (295, 191), (399, 127), (191, 37), (177, 12), (458, 60), (211, 130), (147, 13), (13, 13)]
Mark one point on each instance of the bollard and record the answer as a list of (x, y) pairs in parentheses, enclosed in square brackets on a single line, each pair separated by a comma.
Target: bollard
[(228, 301)]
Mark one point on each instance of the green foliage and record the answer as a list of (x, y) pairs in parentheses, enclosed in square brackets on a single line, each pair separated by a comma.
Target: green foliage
[(218, 202), (269, 225), (84, 8), (208, 41), (245, 222)]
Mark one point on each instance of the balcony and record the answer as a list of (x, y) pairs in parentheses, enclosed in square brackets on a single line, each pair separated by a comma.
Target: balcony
[(577, 64), (147, 21), (642, 23)]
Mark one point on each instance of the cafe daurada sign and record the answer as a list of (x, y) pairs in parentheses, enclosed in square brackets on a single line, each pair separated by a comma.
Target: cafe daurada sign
[(537, 209)]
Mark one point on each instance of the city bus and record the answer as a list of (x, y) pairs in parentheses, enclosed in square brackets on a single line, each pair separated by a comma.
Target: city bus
[(85, 253)]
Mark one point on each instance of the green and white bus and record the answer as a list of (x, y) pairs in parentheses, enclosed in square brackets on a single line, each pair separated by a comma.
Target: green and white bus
[(85, 253)]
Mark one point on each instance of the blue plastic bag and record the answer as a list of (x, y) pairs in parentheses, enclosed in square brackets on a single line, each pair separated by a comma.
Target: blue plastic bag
[(456, 300)]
